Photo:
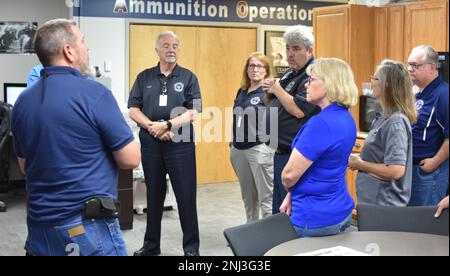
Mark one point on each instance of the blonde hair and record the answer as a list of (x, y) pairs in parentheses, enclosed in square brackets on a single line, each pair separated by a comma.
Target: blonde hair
[(245, 82), (396, 89), (338, 79)]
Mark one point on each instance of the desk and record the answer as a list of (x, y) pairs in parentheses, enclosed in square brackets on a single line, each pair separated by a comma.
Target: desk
[(372, 243)]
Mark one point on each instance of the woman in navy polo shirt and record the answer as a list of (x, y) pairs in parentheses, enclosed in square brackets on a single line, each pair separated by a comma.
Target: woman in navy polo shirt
[(252, 160), (318, 200)]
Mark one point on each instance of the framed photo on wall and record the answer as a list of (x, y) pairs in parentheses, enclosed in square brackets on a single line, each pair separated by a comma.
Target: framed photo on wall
[(17, 37), (275, 50)]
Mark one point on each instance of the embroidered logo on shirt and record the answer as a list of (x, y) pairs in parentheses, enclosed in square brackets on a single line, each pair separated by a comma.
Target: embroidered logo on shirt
[(289, 86), (255, 100), (178, 86), (419, 104)]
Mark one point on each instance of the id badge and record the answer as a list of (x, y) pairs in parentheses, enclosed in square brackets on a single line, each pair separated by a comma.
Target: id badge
[(162, 100)]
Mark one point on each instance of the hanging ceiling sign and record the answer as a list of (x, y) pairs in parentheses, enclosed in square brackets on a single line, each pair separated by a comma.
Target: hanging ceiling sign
[(281, 12)]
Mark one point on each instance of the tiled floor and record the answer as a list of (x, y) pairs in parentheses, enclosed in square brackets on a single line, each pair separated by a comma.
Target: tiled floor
[(219, 206)]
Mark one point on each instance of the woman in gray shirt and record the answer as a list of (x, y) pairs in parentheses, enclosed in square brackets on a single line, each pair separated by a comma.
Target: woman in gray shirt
[(385, 163)]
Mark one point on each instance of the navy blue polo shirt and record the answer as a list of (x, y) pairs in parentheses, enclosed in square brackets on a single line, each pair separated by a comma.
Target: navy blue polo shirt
[(247, 111), (288, 125), (66, 132), (320, 198), (432, 122), (182, 86)]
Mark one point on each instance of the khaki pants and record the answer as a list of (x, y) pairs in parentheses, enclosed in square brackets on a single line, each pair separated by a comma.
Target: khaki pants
[(254, 169)]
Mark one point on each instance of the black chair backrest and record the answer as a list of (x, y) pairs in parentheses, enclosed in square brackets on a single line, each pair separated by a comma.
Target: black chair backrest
[(256, 238), (402, 219)]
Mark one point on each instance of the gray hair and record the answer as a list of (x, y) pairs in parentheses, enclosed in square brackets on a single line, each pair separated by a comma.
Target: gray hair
[(165, 33), (51, 37), (430, 54), (299, 34)]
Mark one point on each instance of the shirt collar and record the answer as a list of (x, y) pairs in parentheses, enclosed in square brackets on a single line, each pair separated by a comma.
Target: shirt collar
[(432, 85), (175, 72), (46, 71), (333, 107)]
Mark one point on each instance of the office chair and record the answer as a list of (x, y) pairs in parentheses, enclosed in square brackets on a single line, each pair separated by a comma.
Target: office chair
[(258, 237), (402, 219), (5, 128)]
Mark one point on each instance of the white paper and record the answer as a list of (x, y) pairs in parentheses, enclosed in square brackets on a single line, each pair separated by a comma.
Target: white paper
[(334, 251)]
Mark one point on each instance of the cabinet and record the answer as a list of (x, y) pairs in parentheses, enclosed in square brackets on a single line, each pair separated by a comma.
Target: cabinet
[(125, 197), (346, 32), (400, 27), (351, 175)]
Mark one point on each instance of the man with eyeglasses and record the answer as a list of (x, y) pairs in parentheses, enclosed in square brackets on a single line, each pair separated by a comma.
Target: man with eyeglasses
[(430, 133), (164, 102), (288, 96)]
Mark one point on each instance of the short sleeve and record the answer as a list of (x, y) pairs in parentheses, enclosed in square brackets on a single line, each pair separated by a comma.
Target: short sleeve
[(34, 74), (442, 112), (193, 98), (300, 100), (114, 130), (396, 144), (314, 139), (136, 98)]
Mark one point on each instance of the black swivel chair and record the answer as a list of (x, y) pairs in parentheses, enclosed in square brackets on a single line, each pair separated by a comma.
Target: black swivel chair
[(402, 219), (5, 129), (256, 238)]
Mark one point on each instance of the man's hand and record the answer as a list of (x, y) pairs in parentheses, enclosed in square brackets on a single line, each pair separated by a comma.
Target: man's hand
[(428, 165), (267, 85), (166, 136), (441, 206), (158, 129)]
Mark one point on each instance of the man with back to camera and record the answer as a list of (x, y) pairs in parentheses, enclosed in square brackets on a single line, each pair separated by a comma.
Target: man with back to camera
[(289, 97), (164, 102), (430, 133), (70, 137)]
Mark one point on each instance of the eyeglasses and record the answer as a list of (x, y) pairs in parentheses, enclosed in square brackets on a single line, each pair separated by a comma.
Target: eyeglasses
[(415, 66), (258, 67), (374, 78), (311, 79)]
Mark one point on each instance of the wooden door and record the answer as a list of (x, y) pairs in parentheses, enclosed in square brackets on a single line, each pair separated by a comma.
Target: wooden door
[(221, 55), (217, 57), (143, 44)]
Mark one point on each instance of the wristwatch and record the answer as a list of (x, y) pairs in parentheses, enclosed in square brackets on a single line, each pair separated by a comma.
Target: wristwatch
[(169, 125)]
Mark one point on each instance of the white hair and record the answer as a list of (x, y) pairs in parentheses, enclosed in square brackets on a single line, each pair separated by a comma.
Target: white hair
[(299, 34)]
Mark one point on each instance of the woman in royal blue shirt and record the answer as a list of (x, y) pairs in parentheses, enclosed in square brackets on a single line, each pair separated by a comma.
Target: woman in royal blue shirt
[(318, 200)]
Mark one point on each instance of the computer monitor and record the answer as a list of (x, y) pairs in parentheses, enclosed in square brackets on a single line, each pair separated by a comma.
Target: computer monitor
[(11, 91), (443, 65)]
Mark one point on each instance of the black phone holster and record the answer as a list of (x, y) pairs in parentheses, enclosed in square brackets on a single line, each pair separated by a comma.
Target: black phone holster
[(101, 208)]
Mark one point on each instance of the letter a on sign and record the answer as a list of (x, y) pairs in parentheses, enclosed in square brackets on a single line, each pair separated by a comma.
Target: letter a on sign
[(120, 6)]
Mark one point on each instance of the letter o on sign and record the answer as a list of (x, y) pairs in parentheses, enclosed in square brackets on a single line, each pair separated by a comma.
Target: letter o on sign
[(242, 9)]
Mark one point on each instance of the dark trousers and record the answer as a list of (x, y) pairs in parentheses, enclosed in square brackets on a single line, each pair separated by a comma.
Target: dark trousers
[(178, 160), (279, 192)]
